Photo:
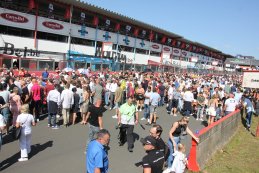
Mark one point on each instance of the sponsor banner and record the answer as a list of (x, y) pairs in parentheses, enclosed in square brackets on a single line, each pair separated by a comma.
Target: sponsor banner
[(184, 53), (17, 19), (176, 52), (167, 49), (142, 44), (106, 36), (176, 62), (166, 56), (81, 31), (155, 47), (107, 46), (194, 59), (251, 79), (126, 40), (214, 63), (53, 26)]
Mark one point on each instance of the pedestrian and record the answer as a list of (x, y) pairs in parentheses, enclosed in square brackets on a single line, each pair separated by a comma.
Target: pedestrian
[(67, 100), (53, 101), (2, 127), (154, 160), (118, 99), (248, 107), (188, 99), (25, 121), (36, 99), (94, 120), (176, 132), (200, 106), (127, 118), (154, 100), (85, 103), (97, 91), (75, 106), (213, 104), (230, 104), (97, 157), (180, 160), (146, 104), (15, 104)]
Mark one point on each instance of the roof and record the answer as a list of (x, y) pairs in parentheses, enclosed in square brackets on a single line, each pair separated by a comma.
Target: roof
[(129, 20)]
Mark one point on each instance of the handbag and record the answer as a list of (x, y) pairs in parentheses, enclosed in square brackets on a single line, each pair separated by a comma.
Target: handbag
[(19, 130)]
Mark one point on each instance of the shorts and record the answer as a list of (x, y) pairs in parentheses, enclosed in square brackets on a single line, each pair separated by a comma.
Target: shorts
[(153, 109), (174, 103), (140, 97), (212, 111), (6, 114)]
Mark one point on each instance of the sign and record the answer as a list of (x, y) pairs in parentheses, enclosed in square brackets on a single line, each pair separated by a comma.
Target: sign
[(176, 52), (14, 18), (251, 79), (214, 63), (155, 47), (194, 59), (53, 25), (9, 49)]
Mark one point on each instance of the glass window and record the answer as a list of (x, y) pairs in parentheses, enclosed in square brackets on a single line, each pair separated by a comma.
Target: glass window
[(79, 64), (46, 64), (8, 63)]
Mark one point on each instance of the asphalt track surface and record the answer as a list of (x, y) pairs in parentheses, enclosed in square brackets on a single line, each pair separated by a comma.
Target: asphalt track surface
[(62, 150)]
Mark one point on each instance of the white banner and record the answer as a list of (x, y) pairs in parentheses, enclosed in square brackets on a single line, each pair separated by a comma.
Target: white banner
[(155, 47), (106, 36), (184, 53), (167, 49), (17, 19), (107, 46), (142, 44), (176, 52), (53, 26), (214, 63), (251, 79), (126, 40)]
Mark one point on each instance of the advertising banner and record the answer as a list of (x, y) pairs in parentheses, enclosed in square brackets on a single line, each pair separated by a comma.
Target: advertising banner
[(142, 44), (155, 47), (251, 79)]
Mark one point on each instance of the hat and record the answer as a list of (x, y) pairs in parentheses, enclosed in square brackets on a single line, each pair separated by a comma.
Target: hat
[(149, 140)]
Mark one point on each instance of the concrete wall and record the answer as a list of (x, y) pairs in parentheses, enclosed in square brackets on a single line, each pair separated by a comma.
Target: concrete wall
[(216, 136)]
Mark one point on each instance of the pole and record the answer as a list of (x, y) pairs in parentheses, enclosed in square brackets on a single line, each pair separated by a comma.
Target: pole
[(69, 36), (36, 27), (95, 40), (117, 49), (135, 44)]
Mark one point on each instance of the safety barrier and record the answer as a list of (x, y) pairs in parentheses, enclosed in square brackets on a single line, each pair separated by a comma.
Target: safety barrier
[(212, 138)]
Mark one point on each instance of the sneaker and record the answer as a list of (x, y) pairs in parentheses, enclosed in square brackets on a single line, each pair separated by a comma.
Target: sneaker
[(140, 110), (55, 127), (110, 108), (115, 116), (130, 150), (197, 119), (143, 119), (38, 120), (201, 119), (148, 120), (23, 159), (48, 125), (175, 115)]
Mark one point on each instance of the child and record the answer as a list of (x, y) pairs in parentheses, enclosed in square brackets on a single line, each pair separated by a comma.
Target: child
[(180, 161)]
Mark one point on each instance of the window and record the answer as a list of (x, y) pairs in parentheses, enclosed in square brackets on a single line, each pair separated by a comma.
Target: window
[(50, 36), (81, 41), (16, 31), (152, 53)]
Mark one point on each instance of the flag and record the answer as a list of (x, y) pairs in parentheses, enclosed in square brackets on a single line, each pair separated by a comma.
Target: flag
[(31, 5), (67, 13), (51, 9), (163, 40), (183, 45), (128, 28), (117, 27), (151, 35), (95, 21), (136, 32), (174, 43), (144, 32), (190, 48), (169, 40), (107, 22), (178, 43)]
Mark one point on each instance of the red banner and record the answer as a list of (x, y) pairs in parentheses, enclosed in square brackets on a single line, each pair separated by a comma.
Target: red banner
[(163, 40), (67, 13), (117, 27), (31, 5), (95, 21), (136, 31), (151, 35)]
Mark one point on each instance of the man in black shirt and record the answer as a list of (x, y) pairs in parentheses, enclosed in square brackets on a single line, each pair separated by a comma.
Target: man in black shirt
[(154, 160), (156, 131), (94, 118), (25, 93)]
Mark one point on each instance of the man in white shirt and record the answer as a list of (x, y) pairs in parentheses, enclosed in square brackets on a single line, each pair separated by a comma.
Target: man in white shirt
[(113, 88), (53, 100), (230, 104), (188, 99), (67, 99)]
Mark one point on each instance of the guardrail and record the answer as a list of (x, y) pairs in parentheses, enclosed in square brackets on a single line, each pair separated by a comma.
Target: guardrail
[(212, 138)]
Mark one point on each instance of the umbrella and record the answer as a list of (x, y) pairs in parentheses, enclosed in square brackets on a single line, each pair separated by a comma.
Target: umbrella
[(68, 69), (82, 71)]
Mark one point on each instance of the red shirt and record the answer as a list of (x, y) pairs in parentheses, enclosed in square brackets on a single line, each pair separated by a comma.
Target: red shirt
[(48, 88), (35, 92)]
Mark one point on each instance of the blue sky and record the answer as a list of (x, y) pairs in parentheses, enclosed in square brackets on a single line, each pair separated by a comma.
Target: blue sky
[(231, 26)]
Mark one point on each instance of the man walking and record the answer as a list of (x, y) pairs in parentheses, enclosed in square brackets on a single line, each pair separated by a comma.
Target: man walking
[(97, 158), (127, 118), (67, 99), (154, 100)]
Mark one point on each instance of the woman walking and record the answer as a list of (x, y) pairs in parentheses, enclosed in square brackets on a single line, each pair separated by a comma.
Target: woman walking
[(213, 104), (85, 104), (25, 121), (15, 104)]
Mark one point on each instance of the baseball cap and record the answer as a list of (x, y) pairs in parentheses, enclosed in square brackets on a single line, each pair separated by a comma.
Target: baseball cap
[(149, 140)]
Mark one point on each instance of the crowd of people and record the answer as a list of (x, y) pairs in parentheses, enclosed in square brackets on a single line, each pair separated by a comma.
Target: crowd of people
[(70, 97)]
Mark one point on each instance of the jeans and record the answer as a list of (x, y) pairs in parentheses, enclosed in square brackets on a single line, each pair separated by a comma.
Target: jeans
[(146, 111), (171, 149), (37, 106), (249, 118), (161, 102), (126, 134), (112, 96), (54, 119), (200, 112), (180, 104), (6, 114), (92, 132), (106, 97), (0, 140)]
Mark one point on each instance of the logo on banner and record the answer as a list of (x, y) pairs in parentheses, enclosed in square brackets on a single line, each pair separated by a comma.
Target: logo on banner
[(184, 53), (106, 36), (167, 49), (83, 31), (176, 51), (154, 46), (14, 18), (126, 40), (53, 25), (142, 44)]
